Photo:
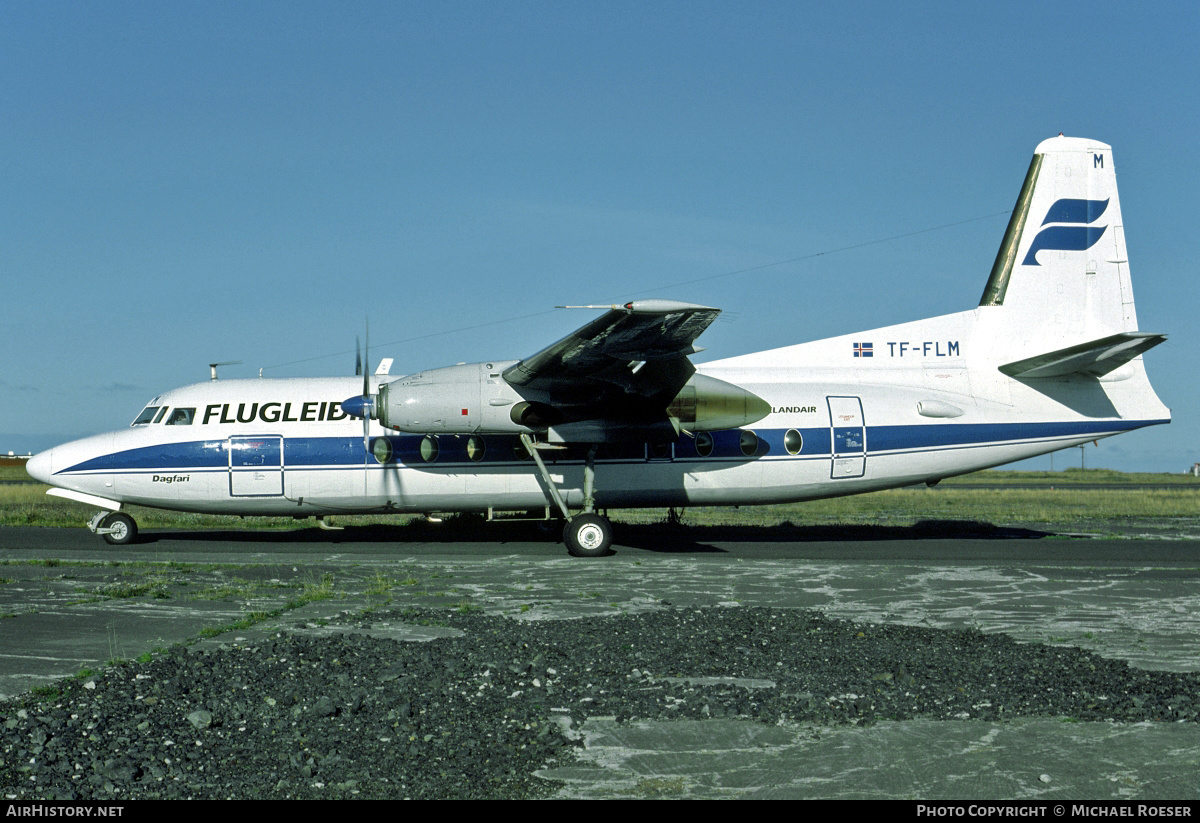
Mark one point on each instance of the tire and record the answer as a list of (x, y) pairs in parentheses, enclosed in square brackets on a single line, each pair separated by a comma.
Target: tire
[(126, 529), (588, 535)]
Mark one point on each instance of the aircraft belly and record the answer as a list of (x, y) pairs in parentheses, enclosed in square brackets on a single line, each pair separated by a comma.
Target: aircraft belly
[(187, 489), (403, 489)]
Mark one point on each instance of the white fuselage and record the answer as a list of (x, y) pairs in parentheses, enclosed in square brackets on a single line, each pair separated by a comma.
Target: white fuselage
[(890, 407)]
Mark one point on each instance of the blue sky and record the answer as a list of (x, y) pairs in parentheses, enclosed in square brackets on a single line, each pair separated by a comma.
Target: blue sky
[(194, 182)]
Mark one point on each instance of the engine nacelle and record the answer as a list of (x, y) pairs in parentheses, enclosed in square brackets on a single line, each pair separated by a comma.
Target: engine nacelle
[(706, 404), (462, 399), (474, 398)]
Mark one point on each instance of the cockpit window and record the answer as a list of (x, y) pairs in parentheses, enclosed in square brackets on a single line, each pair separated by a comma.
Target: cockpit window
[(181, 417), (146, 416), (158, 417)]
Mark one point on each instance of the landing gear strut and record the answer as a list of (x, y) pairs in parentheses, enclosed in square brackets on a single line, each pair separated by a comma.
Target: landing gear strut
[(587, 534)]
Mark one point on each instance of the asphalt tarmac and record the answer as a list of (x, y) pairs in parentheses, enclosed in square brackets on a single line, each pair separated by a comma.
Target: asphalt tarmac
[(70, 601)]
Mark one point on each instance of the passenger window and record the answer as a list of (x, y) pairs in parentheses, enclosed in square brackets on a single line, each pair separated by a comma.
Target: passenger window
[(476, 448), (382, 450), (748, 440), (429, 448), (793, 441), (181, 417)]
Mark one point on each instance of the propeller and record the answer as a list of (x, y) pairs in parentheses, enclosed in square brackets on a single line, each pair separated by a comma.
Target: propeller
[(363, 405)]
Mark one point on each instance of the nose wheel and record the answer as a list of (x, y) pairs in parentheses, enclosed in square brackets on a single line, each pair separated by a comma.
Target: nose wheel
[(117, 528)]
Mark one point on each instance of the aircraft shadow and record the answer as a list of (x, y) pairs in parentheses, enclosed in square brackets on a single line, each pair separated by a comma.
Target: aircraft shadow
[(664, 537), (471, 530), (672, 538)]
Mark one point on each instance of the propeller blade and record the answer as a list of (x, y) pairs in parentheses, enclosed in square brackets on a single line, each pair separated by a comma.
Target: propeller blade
[(366, 376)]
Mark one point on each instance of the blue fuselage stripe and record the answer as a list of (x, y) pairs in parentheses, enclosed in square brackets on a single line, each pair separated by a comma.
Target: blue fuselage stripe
[(339, 452)]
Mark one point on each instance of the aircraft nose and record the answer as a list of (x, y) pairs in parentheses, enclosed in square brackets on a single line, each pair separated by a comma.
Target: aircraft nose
[(41, 466)]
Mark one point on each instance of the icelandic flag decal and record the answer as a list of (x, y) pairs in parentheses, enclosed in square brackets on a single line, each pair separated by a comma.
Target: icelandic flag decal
[(864, 350)]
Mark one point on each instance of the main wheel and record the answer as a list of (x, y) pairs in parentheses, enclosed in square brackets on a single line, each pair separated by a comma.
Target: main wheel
[(588, 535), (124, 529)]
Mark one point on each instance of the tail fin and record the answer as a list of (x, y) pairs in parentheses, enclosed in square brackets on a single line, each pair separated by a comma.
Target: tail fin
[(1061, 275)]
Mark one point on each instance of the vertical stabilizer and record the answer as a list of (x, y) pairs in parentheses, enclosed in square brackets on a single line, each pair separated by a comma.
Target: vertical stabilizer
[(1061, 275)]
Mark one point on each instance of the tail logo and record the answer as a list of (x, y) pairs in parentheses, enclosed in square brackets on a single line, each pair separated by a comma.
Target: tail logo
[(1072, 231)]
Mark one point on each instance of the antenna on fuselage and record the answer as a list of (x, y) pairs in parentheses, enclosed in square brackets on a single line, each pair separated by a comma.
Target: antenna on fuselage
[(212, 367)]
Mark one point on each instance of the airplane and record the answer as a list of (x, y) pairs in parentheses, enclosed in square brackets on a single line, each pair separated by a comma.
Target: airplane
[(616, 415)]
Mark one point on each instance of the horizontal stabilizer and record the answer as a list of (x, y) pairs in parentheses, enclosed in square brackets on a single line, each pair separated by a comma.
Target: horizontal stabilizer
[(1096, 358)]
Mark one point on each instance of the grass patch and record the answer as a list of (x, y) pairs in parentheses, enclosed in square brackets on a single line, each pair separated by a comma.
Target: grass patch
[(324, 590), (238, 589), (310, 593), (1073, 477), (48, 693)]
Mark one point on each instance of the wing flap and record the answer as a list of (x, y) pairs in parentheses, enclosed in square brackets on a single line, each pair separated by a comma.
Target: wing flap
[(613, 379), (646, 330), (1096, 358)]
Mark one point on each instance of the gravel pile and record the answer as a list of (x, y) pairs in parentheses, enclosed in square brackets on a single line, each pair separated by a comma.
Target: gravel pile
[(296, 716)]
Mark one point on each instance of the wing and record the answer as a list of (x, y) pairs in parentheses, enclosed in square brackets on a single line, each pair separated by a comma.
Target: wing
[(625, 366), (611, 346)]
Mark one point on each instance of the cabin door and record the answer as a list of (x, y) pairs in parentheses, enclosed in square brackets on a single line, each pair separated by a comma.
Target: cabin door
[(256, 466), (848, 437)]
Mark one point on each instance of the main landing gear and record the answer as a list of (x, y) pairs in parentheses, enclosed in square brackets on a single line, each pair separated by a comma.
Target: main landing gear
[(587, 534), (117, 528)]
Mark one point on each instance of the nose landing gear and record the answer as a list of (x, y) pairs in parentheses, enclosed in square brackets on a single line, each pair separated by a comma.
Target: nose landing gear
[(117, 528)]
